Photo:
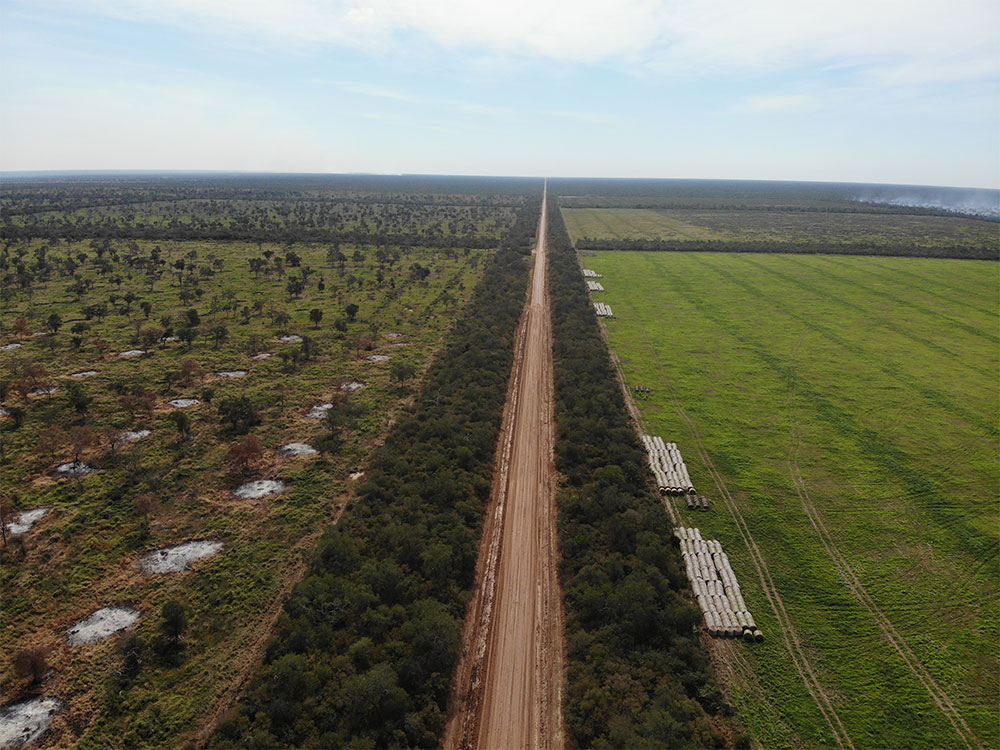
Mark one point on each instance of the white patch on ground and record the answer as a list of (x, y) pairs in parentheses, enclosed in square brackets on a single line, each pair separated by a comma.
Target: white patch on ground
[(395, 335), (377, 357), (25, 520), (74, 469), (291, 338), (259, 488), (130, 436), (25, 721), (353, 386), (231, 373), (4, 413), (297, 449), (83, 374), (319, 411), (172, 338), (262, 355), (357, 475), (184, 403), (179, 558), (8, 347), (102, 624), (131, 353), (396, 346), (44, 391)]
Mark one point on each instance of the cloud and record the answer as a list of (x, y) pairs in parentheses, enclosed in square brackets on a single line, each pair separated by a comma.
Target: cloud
[(473, 108), (778, 103), (896, 40)]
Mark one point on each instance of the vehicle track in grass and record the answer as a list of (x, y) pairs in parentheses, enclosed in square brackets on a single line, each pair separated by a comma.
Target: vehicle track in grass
[(789, 636), (507, 689), (937, 694)]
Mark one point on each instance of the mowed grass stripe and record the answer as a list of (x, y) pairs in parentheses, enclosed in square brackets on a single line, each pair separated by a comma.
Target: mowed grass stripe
[(903, 277), (824, 264), (870, 315), (867, 355), (948, 613)]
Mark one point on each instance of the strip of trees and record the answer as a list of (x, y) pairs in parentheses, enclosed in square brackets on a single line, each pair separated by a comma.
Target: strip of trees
[(367, 644), (968, 252), (637, 676)]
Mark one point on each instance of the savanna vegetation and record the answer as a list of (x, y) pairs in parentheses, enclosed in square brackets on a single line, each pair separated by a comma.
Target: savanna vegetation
[(765, 217), (637, 674), (100, 334), (850, 407), (366, 645)]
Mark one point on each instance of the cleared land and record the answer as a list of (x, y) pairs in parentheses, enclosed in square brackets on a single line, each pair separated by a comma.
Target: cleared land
[(168, 488), (841, 414), (508, 685), (774, 226)]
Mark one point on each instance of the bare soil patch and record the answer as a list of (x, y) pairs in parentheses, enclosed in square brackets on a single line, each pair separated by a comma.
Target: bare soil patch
[(179, 558), (297, 449), (102, 624), (130, 436), (74, 469), (259, 488), (25, 721), (25, 520)]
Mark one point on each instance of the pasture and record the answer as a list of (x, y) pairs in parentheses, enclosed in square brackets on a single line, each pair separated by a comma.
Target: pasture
[(848, 406), (779, 226)]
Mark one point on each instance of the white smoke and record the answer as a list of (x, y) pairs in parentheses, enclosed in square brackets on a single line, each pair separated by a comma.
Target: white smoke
[(984, 203)]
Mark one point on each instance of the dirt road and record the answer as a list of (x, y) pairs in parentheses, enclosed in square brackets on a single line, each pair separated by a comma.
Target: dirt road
[(509, 681)]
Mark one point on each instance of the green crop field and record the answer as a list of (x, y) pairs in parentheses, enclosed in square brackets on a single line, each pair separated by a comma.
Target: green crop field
[(775, 226), (875, 381)]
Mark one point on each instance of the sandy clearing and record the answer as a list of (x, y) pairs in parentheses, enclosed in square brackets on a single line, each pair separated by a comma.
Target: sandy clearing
[(25, 721), (508, 685), (102, 624)]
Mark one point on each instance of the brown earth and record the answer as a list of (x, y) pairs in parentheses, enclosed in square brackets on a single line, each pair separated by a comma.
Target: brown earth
[(508, 685)]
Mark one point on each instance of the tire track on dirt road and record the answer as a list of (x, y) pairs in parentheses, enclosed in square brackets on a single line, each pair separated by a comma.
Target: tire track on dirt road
[(508, 684), (937, 694), (790, 639)]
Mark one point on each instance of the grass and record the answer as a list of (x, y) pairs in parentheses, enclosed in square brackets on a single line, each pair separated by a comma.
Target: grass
[(635, 223), (84, 554), (775, 226), (878, 377)]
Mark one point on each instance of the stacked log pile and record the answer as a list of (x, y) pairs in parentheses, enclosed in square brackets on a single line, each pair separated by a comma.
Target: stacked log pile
[(716, 588), (667, 465), (595, 286), (588, 274), (602, 310)]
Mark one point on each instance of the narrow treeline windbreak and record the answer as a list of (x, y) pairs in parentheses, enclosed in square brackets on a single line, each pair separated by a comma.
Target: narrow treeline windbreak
[(366, 647), (637, 675)]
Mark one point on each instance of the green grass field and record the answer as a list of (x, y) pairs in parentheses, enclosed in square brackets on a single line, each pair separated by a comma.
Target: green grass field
[(877, 380), (775, 226)]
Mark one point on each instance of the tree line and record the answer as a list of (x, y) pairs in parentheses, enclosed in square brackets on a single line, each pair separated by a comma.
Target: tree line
[(967, 252), (637, 675), (367, 644)]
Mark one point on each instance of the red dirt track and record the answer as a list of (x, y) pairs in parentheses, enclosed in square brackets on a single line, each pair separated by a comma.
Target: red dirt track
[(509, 679)]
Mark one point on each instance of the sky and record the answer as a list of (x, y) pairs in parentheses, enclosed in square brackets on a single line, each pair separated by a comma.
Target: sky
[(846, 90)]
